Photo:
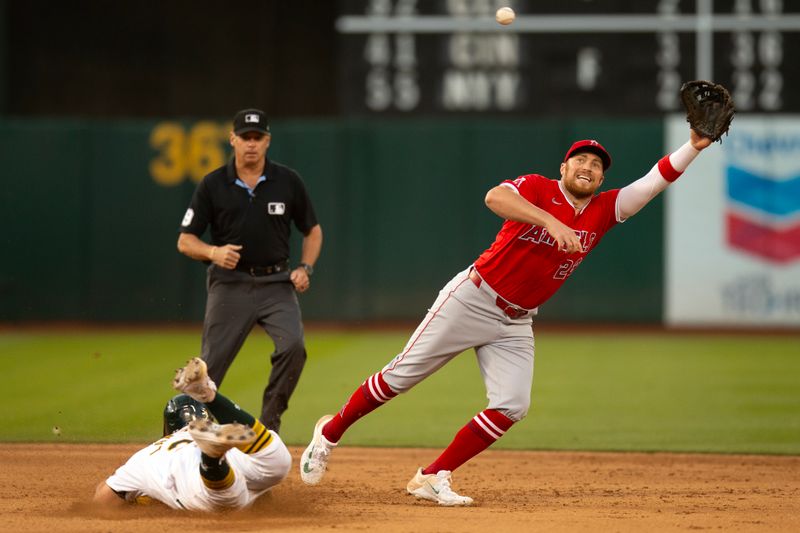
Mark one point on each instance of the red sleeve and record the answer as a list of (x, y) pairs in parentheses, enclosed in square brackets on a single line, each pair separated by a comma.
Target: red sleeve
[(529, 186)]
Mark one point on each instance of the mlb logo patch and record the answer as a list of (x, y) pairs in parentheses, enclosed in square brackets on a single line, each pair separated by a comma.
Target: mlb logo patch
[(276, 208), (251, 118), (187, 218)]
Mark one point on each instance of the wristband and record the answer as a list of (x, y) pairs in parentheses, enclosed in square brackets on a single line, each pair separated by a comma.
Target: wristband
[(666, 169)]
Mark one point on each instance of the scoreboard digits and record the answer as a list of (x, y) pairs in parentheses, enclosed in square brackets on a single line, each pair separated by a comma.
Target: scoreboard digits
[(450, 56)]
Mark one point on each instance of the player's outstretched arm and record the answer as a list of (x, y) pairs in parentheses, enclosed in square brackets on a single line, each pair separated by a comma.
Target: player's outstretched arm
[(105, 497), (633, 197), (510, 205)]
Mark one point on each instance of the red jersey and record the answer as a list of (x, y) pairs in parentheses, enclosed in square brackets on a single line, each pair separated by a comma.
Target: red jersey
[(524, 265)]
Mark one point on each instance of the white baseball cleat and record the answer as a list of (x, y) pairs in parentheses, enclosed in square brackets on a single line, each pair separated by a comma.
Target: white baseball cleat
[(436, 488), (314, 461), (216, 439), (193, 380)]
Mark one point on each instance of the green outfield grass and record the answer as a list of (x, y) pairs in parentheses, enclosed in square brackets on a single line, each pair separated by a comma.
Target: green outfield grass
[(612, 391)]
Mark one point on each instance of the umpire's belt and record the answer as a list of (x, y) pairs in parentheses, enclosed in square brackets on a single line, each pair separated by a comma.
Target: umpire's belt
[(264, 270), (511, 310)]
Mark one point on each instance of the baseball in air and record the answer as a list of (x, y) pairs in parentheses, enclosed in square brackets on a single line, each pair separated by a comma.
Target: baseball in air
[(505, 16)]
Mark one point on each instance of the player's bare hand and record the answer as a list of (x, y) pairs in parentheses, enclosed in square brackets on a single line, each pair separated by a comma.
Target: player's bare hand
[(300, 279), (698, 141), (226, 256), (565, 236)]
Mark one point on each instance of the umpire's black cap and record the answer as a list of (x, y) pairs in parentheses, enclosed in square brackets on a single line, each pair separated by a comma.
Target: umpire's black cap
[(250, 120)]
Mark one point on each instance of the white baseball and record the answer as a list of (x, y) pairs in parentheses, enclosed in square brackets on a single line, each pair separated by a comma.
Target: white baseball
[(505, 16)]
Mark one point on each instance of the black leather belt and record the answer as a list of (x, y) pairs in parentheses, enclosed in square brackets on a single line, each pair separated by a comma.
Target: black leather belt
[(511, 310), (264, 270)]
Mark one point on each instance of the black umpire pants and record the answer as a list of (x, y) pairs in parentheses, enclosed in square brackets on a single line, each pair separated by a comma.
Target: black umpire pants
[(238, 301)]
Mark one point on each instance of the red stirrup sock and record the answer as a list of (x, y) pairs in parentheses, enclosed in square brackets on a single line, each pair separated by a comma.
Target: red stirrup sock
[(485, 428), (373, 393)]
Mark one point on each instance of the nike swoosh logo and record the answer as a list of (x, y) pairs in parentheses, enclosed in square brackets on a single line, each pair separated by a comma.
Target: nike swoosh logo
[(432, 487), (306, 469), (555, 202)]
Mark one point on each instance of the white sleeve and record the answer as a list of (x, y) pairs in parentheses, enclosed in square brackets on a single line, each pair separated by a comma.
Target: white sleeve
[(633, 197)]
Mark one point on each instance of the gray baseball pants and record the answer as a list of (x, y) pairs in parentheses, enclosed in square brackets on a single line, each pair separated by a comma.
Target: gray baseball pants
[(237, 302)]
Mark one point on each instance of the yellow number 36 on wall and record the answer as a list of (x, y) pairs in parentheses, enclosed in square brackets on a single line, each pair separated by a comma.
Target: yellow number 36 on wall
[(190, 154)]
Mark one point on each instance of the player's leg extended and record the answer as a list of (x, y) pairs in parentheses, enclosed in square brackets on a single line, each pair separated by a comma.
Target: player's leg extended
[(264, 461), (452, 325), (279, 315), (421, 357), (193, 379), (223, 484), (370, 395), (230, 315)]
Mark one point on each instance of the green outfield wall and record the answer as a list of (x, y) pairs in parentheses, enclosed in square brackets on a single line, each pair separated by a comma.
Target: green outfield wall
[(90, 212)]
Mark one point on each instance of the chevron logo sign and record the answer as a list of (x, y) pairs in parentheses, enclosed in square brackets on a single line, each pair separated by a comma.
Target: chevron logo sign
[(762, 215)]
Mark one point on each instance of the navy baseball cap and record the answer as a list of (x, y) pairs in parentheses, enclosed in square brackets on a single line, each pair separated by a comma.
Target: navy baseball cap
[(590, 145), (250, 120)]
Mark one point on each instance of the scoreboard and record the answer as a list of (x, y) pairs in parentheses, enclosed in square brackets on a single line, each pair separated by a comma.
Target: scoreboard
[(571, 57)]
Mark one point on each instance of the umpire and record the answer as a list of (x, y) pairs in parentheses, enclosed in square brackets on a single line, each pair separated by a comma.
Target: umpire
[(249, 205)]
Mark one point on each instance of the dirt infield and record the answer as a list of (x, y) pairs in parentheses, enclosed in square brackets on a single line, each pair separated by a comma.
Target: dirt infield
[(46, 488)]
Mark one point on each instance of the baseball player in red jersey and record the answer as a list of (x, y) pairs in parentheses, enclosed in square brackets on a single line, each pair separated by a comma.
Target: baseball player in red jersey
[(550, 226)]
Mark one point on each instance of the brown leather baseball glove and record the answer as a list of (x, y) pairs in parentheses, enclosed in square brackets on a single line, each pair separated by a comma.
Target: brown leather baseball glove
[(709, 108)]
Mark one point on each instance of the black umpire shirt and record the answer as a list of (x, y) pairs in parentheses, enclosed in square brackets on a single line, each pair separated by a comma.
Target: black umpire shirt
[(259, 222)]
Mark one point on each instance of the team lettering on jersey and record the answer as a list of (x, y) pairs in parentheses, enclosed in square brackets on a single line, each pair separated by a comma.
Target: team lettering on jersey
[(540, 235), (159, 444)]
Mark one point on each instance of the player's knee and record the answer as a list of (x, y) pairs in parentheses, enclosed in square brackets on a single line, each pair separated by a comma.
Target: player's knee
[(517, 412)]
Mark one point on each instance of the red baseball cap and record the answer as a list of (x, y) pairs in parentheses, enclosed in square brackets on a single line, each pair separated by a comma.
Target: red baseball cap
[(590, 145)]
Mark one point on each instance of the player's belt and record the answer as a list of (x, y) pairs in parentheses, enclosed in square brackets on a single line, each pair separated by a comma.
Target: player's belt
[(511, 310), (264, 270)]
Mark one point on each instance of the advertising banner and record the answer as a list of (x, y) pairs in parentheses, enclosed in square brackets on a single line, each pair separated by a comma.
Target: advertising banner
[(733, 227)]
